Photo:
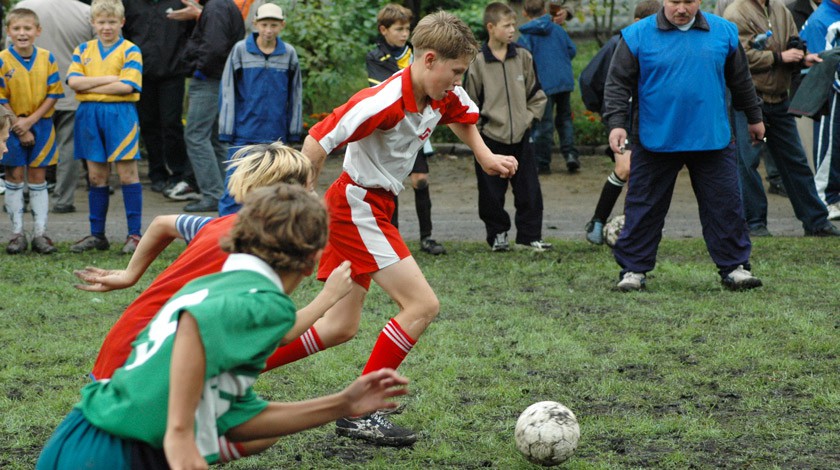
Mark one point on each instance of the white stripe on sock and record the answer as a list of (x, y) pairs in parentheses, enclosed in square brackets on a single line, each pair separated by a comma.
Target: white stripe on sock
[(397, 337)]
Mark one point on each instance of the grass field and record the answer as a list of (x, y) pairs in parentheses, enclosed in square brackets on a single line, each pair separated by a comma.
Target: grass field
[(685, 375)]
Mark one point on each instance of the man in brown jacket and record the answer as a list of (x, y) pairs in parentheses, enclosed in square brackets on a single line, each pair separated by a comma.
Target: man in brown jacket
[(772, 64), (503, 83)]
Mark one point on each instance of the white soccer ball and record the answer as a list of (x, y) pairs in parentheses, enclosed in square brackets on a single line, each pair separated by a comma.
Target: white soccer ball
[(547, 433), (612, 230)]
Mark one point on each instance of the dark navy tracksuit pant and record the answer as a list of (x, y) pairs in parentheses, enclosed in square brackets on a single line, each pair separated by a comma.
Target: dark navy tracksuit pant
[(527, 195), (714, 178)]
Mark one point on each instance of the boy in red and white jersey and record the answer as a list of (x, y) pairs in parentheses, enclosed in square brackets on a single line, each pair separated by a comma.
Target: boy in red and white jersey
[(383, 128)]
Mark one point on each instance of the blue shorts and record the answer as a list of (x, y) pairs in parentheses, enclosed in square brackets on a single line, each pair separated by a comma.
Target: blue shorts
[(106, 132), (43, 154), (78, 444)]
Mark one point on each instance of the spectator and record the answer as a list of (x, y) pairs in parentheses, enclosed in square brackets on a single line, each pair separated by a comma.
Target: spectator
[(771, 67), (64, 25), (161, 105), (677, 126), (553, 51)]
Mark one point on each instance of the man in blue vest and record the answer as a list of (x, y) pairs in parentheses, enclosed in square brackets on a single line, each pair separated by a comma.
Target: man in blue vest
[(677, 66)]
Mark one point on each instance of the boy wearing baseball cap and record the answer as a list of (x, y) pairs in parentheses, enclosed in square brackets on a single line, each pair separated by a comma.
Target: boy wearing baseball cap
[(261, 91)]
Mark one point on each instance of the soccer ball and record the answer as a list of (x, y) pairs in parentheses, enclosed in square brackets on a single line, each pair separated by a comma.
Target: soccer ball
[(547, 433), (612, 230)]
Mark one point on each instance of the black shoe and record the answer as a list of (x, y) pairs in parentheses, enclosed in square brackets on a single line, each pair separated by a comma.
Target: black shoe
[(158, 186), (828, 231), (572, 163), (17, 244), (432, 247), (63, 209), (375, 428), (205, 204), (760, 231), (777, 189), (90, 242)]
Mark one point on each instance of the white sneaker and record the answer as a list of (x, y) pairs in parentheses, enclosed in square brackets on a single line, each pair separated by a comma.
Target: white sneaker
[(740, 279), (834, 211), (631, 282), (182, 191), (501, 242), (2, 186), (538, 246)]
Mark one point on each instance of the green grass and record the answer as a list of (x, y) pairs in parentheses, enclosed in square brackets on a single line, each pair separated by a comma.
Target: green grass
[(685, 375)]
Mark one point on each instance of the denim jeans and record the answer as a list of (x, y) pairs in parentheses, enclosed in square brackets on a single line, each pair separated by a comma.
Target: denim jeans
[(543, 130), (206, 153), (786, 150)]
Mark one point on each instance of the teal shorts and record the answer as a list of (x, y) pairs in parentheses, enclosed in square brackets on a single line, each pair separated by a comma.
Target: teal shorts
[(77, 444), (106, 132), (43, 154)]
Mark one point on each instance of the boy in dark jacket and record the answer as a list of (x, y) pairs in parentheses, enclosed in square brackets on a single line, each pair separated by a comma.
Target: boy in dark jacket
[(392, 54), (553, 52)]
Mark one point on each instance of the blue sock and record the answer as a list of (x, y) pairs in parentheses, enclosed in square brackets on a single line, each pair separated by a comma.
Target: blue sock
[(98, 198), (133, 201)]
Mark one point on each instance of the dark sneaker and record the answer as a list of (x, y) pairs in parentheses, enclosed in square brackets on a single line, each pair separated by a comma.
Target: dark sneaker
[(595, 232), (538, 246), (182, 191), (130, 246), (432, 247), (43, 245), (17, 244), (90, 242), (740, 279), (631, 282), (205, 204), (63, 208), (572, 163), (777, 189), (760, 231), (829, 230), (375, 428), (501, 242), (157, 186)]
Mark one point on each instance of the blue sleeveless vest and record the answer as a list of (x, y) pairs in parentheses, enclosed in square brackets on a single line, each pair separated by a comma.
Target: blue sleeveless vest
[(682, 104)]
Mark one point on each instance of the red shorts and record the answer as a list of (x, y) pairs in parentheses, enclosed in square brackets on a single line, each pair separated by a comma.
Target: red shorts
[(360, 231)]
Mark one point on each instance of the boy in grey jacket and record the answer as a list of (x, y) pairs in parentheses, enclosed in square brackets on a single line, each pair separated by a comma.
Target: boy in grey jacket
[(503, 82)]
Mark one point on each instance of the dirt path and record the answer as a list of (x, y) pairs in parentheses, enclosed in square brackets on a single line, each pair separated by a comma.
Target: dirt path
[(569, 201)]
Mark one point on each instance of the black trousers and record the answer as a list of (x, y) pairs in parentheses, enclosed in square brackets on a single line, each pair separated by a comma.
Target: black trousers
[(159, 109), (527, 195)]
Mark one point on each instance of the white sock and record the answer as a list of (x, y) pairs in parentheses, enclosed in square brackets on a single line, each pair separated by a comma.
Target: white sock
[(39, 200), (14, 205)]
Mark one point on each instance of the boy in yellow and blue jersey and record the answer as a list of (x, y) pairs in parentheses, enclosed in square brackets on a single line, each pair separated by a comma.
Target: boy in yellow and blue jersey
[(106, 74), (29, 87)]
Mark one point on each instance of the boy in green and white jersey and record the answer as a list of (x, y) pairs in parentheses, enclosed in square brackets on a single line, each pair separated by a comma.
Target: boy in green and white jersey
[(184, 395)]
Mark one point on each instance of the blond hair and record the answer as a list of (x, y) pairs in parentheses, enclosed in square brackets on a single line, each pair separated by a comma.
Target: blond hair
[(445, 34), (21, 13), (264, 164), (6, 118), (112, 8), (283, 224), (393, 13)]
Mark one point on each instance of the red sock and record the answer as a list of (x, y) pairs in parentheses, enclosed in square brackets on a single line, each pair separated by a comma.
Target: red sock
[(390, 349), (309, 343), (229, 451)]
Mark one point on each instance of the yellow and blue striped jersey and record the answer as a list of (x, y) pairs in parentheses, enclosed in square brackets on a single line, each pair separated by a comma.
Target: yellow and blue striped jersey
[(123, 58), (25, 84)]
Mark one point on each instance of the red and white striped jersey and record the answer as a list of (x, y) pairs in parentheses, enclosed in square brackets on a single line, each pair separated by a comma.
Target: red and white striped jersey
[(384, 130)]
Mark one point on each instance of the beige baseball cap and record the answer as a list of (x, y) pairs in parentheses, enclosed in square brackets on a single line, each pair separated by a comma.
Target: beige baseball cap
[(269, 11)]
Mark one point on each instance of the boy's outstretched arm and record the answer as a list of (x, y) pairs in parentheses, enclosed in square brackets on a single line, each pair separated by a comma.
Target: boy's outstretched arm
[(366, 394), (186, 381), (335, 288), (158, 236), (492, 164), (316, 154)]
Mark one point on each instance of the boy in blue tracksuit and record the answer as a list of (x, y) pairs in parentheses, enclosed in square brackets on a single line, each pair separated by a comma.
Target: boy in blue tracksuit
[(553, 51), (261, 91)]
